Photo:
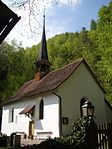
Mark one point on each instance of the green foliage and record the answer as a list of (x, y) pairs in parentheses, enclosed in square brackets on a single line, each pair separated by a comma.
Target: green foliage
[(104, 48), (93, 25), (16, 67), (74, 141), (3, 141), (95, 46)]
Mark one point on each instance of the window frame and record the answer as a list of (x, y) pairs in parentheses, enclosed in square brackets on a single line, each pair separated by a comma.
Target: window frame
[(11, 114), (41, 109)]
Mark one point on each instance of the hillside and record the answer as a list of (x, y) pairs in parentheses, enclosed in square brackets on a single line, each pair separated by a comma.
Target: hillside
[(94, 45)]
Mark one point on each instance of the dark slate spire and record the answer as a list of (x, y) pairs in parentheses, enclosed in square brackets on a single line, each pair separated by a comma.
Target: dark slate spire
[(43, 50), (42, 63)]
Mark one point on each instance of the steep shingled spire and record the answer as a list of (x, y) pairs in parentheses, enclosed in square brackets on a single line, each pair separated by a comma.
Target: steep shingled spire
[(43, 50), (42, 63)]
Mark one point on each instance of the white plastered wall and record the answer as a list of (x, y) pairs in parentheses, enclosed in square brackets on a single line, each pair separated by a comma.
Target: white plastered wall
[(50, 122), (78, 85)]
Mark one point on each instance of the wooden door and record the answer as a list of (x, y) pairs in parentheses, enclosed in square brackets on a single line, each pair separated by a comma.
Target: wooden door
[(31, 129)]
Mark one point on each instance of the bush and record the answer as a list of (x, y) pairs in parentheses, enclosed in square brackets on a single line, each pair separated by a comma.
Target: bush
[(3, 140), (74, 141)]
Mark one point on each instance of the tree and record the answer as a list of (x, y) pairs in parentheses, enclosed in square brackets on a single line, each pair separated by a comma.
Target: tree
[(10, 69), (93, 25), (104, 47), (4, 60), (31, 3), (94, 45), (31, 9)]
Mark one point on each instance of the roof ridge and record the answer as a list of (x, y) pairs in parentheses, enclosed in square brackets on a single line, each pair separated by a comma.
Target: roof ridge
[(79, 60)]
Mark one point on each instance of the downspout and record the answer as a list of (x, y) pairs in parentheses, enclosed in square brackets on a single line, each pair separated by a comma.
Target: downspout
[(60, 112)]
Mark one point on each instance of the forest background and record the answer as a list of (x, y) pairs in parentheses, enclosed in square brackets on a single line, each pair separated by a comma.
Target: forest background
[(94, 45)]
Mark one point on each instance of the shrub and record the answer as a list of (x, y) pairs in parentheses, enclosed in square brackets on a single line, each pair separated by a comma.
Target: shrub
[(74, 141), (3, 140)]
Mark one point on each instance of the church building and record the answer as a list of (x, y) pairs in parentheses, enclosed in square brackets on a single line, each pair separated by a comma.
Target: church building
[(48, 105)]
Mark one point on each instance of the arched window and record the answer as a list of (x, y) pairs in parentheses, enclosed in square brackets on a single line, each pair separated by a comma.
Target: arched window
[(11, 115), (41, 110), (82, 101)]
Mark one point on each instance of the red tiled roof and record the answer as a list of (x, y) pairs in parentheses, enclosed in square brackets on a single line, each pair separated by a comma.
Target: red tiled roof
[(50, 82)]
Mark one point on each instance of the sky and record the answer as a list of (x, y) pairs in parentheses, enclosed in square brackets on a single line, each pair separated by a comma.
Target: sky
[(60, 18)]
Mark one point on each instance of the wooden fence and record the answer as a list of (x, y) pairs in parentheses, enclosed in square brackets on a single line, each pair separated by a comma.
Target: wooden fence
[(105, 136)]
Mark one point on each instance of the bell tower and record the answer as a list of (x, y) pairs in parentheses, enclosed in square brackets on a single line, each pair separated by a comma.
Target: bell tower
[(42, 63)]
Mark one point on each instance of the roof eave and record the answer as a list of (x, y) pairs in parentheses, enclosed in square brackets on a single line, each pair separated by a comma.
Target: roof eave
[(26, 96)]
